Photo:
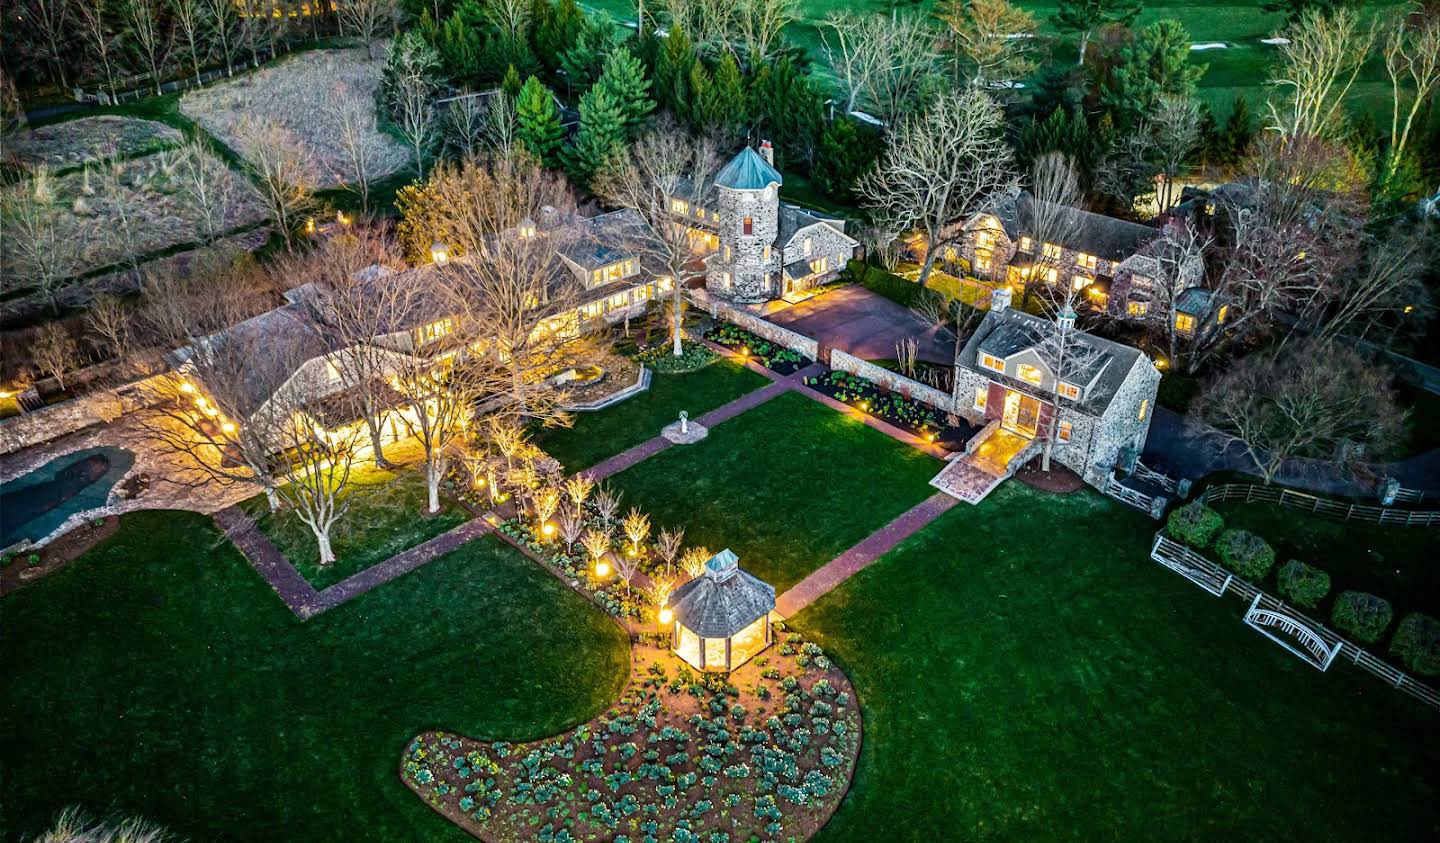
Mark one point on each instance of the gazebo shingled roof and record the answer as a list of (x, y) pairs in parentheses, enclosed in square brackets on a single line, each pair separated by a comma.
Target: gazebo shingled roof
[(724, 600)]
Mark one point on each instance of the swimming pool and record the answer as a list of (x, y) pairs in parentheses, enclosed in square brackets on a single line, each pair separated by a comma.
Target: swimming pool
[(33, 505)]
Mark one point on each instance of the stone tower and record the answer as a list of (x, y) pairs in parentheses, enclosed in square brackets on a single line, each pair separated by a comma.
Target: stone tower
[(746, 267)]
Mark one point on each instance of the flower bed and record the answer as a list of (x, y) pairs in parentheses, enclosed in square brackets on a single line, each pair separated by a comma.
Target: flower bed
[(766, 753), (896, 408), (772, 356), (661, 357)]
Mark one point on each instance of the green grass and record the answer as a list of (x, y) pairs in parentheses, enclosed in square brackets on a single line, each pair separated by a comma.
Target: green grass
[(788, 486), (386, 516), (1397, 563), (604, 433), (159, 675), (1026, 673)]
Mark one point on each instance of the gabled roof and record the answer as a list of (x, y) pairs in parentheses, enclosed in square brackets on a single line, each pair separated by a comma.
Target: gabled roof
[(1105, 237), (748, 171), (601, 241), (723, 600)]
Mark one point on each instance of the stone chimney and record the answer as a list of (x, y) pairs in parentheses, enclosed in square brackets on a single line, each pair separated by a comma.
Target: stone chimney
[(999, 299), (767, 152)]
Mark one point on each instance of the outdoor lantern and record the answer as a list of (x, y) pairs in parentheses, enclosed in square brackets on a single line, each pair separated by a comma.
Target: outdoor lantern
[(186, 388), (438, 252), (309, 225), (666, 616), (548, 529), (602, 568), (341, 218), (228, 427)]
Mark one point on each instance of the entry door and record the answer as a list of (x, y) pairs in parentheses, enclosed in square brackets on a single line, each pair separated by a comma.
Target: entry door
[(1022, 414)]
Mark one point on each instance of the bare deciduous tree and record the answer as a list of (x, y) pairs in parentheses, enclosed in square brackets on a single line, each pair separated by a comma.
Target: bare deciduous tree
[(661, 167), (35, 250), (55, 352), (1386, 292), (359, 139), (759, 23), (109, 318), (365, 19), (207, 189), (414, 113), (1309, 400), (283, 184), (152, 35), (316, 466), (943, 164), (50, 20), (97, 30), (1412, 60), (880, 61), (190, 18), (1054, 219), (1318, 67), (991, 38), (1176, 129), (225, 30)]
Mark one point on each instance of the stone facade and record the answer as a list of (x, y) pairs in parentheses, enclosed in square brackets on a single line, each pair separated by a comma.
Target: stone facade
[(747, 265)]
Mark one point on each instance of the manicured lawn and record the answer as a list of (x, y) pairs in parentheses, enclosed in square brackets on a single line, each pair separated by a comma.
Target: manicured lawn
[(159, 675), (1397, 563), (604, 433), (1027, 674), (787, 486), (386, 516)]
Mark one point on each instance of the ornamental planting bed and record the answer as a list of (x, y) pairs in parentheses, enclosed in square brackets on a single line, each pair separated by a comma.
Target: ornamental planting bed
[(773, 356), (766, 753), (894, 407)]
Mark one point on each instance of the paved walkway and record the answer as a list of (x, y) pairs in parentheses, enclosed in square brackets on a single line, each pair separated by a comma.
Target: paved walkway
[(869, 549), (300, 596)]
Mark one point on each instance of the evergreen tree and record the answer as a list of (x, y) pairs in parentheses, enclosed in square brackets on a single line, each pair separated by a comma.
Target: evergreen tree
[(672, 71), (601, 134), (584, 59), (1239, 131), (511, 85), (728, 95), (625, 81), (1155, 64), (788, 108), (700, 111), (555, 25), (537, 122), (1293, 9), (847, 150), (1211, 147), (460, 45), (1085, 16)]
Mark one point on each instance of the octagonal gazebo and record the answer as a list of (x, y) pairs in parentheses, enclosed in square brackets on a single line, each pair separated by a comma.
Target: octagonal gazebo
[(721, 618)]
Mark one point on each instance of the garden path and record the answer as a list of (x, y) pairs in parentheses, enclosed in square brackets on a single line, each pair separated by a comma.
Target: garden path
[(304, 599), (860, 555)]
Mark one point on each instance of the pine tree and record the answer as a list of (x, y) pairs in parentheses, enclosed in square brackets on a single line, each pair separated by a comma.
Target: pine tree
[(512, 84), (847, 149), (672, 71), (624, 80), (583, 60), (1155, 64), (1238, 132), (728, 94), (1085, 16), (459, 46), (601, 135), (554, 28), (699, 111), (537, 121)]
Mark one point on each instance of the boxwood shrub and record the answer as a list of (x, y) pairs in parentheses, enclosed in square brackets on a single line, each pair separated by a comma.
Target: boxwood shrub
[(1245, 553), (1195, 524), (1304, 585), (1364, 616), (1417, 643)]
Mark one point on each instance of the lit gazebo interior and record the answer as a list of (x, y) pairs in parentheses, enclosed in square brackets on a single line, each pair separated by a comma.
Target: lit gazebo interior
[(721, 619)]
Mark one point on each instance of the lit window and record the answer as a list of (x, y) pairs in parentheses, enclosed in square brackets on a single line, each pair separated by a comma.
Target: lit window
[(807, 247), (1185, 323), (1029, 374), (1087, 261), (679, 206), (993, 363), (1136, 308), (664, 284), (747, 226), (981, 393), (436, 330), (1050, 250), (820, 265), (727, 253), (1082, 281), (1070, 390), (982, 262), (950, 253), (1144, 408), (1026, 243), (1064, 431), (765, 253), (1052, 275), (985, 240)]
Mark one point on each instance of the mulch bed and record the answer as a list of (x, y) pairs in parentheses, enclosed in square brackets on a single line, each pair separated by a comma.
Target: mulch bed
[(773, 356), (56, 554), (1059, 480), (766, 753), (921, 420)]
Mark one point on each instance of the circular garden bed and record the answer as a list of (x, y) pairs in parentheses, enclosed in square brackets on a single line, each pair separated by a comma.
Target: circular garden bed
[(765, 753)]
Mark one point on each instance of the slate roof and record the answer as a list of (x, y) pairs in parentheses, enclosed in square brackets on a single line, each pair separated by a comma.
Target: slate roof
[(275, 344), (1009, 331), (792, 218), (602, 240), (1194, 301), (1105, 237), (722, 601), (748, 171)]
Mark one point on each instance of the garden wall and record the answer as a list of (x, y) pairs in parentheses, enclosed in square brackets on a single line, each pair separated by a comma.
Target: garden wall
[(56, 420), (896, 382), (755, 325)]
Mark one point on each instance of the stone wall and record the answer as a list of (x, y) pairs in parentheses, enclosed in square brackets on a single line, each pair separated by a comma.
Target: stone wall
[(722, 310), (896, 382), (56, 420)]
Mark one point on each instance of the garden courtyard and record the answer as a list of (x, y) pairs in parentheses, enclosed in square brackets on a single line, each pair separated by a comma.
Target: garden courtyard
[(1023, 670)]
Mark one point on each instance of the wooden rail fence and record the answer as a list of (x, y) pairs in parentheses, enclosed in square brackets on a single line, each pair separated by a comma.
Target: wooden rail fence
[(1250, 493), (1207, 574)]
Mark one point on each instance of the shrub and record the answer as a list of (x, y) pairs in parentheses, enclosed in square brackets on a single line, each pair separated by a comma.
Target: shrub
[(1245, 553), (1195, 524), (1417, 643), (1304, 585), (1364, 616)]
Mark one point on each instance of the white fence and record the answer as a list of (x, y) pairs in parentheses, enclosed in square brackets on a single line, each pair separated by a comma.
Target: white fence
[(894, 381), (1250, 493), (1201, 571), (755, 325)]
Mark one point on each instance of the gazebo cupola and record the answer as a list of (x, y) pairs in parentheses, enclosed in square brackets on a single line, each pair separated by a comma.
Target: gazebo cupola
[(721, 618)]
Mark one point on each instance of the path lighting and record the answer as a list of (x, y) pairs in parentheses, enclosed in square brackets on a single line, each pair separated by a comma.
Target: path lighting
[(865, 406), (342, 218), (1160, 363), (439, 253), (547, 529), (228, 427), (744, 351), (602, 568), (309, 225), (666, 616)]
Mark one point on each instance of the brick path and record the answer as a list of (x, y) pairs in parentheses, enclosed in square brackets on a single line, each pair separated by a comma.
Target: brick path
[(299, 595), (869, 549)]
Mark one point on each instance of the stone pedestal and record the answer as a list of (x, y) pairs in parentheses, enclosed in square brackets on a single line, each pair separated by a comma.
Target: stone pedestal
[(694, 432)]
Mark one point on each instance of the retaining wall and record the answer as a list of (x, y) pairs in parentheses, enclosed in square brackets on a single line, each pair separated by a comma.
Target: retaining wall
[(52, 422), (721, 309), (896, 382)]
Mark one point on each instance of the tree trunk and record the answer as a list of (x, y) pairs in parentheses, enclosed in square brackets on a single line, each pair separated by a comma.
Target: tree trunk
[(375, 443), (273, 498), (930, 256), (327, 555), (676, 318), (432, 483), (1084, 42)]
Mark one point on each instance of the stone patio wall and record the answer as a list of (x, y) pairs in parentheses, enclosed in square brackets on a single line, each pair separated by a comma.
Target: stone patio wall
[(721, 309), (52, 422), (896, 382)]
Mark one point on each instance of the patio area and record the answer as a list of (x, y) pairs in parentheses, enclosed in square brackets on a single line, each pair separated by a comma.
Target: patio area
[(865, 324)]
